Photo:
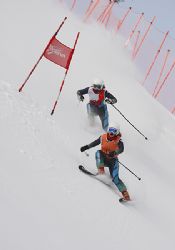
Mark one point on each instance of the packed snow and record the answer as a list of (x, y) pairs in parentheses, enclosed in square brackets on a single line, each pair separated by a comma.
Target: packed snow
[(46, 202)]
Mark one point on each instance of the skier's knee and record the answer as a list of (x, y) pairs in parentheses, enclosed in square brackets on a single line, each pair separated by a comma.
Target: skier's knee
[(99, 159)]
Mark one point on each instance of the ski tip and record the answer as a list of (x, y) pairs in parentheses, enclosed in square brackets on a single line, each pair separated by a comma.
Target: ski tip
[(84, 170), (80, 167), (123, 200)]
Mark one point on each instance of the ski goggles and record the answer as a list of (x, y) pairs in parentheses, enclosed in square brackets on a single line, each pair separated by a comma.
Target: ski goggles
[(98, 86), (113, 131)]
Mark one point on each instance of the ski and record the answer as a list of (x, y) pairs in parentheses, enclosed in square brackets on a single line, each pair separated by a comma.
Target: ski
[(95, 176), (84, 170), (122, 200)]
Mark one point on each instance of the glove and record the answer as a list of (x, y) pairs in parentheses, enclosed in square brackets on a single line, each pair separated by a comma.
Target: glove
[(111, 101), (81, 97), (108, 101), (82, 149)]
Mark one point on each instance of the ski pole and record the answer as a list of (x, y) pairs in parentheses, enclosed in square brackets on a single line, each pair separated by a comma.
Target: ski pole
[(129, 121), (130, 171), (86, 153)]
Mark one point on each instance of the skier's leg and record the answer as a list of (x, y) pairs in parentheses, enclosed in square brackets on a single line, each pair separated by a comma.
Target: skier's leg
[(91, 115), (104, 117), (100, 161), (114, 171)]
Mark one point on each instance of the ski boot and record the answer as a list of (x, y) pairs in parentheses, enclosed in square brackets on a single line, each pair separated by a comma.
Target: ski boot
[(126, 196)]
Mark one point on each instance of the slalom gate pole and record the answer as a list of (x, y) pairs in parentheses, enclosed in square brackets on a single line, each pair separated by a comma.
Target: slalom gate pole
[(163, 82), (73, 5), (91, 9), (73, 50), (134, 29), (129, 170), (34, 67), (161, 72), (107, 13), (144, 37), (103, 12), (129, 121), (120, 23), (135, 44), (155, 57)]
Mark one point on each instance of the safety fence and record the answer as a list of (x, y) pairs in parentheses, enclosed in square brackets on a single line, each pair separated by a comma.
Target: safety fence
[(150, 48)]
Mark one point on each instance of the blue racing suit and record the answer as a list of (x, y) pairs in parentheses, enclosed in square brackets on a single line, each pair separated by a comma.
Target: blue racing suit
[(110, 161)]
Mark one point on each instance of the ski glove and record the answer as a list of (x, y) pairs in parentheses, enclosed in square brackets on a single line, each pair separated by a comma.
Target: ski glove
[(111, 101), (82, 149), (80, 97)]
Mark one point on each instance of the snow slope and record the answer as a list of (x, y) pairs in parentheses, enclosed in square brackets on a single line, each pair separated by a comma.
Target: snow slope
[(46, 203)]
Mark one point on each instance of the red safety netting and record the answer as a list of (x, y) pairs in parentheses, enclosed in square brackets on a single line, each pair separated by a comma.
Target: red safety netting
[(151, 49)]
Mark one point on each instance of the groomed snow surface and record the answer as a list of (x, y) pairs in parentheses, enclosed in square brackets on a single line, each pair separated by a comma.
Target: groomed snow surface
[(46, 202)]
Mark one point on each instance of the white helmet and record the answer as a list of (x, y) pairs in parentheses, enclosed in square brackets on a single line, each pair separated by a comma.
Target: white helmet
[(98, 84)]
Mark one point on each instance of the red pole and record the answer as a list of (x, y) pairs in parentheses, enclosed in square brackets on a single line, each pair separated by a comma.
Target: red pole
[(155, 58), (20, 89), (73, 4), (107, 20), (173, 110), (103, 12), (161, 72), (55, 104), (108, 12), (139, 46), (94, 5), (89, 7), (136, 42), (166, 77), (133, 31), (120, 23)]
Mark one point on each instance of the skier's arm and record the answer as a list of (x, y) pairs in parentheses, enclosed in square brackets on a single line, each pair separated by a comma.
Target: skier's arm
[(111, 99), (82, 92), (91, 145), (95, 143), (121, 148)]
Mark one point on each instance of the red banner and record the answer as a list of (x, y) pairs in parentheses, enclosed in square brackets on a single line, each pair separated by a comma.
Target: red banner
[(59, 53)]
